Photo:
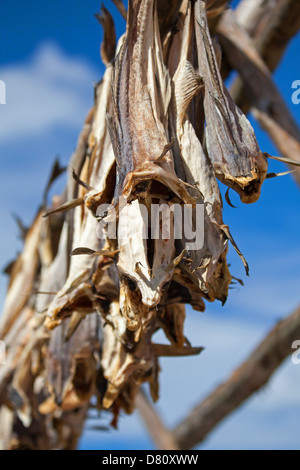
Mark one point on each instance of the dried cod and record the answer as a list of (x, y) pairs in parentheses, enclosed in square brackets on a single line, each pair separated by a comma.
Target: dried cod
[(231, 142), (84, 301)]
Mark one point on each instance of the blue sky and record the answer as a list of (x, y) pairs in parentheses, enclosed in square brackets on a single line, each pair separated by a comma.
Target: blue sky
[(49, 61)]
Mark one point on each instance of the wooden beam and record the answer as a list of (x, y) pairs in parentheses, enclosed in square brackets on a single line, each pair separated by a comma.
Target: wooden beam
[(253, 374)]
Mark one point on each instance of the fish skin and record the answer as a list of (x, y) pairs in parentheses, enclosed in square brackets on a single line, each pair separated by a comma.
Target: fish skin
[(232, 146), (141, 96), (197, 171)]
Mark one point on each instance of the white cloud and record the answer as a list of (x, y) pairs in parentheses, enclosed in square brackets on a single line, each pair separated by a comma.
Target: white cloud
[(268, 296), (50, 90)]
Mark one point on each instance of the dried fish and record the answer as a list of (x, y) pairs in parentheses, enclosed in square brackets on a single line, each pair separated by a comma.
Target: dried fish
[(57, 170), (71, 363), (142, 93), (231, 142), (197, 170), (137, 234), (108, 46)]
